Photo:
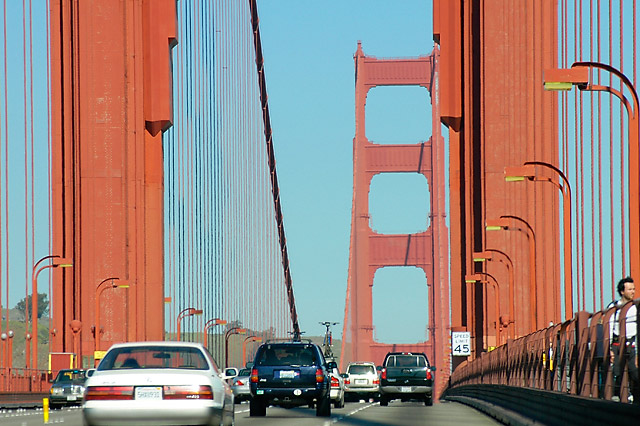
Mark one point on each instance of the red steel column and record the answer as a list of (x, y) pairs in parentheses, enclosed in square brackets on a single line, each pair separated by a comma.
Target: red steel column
[(111, 98)]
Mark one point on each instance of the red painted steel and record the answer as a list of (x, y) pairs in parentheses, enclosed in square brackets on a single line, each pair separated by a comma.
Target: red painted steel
[(111, 95), (492, 59), (370, 251)]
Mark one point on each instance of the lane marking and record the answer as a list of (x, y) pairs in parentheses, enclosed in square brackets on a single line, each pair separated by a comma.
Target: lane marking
[(339, 418)]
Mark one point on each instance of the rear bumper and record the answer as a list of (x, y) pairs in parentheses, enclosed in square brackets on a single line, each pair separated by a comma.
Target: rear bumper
[(394, 392), (99, 413), (288, 396)]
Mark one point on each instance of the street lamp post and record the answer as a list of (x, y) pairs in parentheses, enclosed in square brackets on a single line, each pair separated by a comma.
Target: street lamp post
[(487, 255), (479, 277), (208, 325), (227, 335), (56, 261), (528, 171), (503, 224), (100, 288), (187, 312), (580, 74), (244, 345)]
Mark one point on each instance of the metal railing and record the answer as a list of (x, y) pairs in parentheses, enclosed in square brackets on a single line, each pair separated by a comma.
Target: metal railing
[(572, 357)]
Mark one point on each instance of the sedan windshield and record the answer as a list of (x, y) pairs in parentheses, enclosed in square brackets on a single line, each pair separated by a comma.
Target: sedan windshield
[(153, 357), (70, 376)]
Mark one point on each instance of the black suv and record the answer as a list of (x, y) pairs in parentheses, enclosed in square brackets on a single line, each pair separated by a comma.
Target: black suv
[(288, 375)]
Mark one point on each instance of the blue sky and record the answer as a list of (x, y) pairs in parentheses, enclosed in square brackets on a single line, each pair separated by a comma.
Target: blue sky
[(308, 49)]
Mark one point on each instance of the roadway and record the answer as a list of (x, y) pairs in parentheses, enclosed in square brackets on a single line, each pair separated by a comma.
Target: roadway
[(355, 414)]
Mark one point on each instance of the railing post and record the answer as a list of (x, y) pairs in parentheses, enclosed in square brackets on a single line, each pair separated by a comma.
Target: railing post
[(582, 349)]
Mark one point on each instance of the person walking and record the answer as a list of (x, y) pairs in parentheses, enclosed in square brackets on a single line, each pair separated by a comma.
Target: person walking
[(626, 289)]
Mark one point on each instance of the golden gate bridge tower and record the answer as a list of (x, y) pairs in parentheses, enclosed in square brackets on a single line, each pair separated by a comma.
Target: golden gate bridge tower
[(370, 251)]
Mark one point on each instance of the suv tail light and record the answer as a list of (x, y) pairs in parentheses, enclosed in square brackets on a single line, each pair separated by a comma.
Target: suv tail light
[(335, 383), (188, 392), (429, 376), (383, 374), (319, 375), (254, 375), (111, 393)]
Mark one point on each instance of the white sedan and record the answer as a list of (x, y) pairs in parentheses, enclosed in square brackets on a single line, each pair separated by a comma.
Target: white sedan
[(158, 383)]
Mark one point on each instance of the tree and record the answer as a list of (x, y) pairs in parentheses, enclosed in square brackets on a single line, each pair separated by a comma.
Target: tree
[(43, 304)]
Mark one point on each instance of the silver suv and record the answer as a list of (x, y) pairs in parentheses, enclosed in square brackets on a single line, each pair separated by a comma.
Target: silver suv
[(362, 381)]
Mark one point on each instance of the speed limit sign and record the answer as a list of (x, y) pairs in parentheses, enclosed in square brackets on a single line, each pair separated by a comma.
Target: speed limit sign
[(461, 343)]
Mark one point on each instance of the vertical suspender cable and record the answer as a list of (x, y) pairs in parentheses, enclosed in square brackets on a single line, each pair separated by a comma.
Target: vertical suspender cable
[(6, 170), (611, 162), (623, 238), (26, 149), (600, 224)]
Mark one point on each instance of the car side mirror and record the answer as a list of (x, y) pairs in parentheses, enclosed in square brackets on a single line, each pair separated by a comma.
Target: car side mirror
[(230, 373), (433, 368), (344, 375), (331, 365), (90, 372), (378, 368)]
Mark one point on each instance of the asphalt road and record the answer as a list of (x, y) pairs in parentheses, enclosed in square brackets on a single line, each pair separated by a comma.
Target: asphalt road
[(354, 414)]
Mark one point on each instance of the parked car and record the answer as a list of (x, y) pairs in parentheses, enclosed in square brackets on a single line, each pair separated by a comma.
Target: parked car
[(362, 381), (240, 385), (67, 388), (406, 376), (337, 388), (290, 374), (158, 383)]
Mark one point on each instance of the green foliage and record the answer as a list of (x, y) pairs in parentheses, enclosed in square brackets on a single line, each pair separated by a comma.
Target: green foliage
[(43, 304)]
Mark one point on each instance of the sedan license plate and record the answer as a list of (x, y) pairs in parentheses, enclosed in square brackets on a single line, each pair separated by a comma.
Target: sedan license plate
[(149, 393), (361, 381), (288, 374), (72, 398), (405, 389)]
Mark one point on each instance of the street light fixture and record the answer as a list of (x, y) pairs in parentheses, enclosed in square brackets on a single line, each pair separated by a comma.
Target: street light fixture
[(503, 224), (528, 171), (480, 277), (580, 74), (488, 255), (227, 335), (100, 288), (56, 262), (187, 312), (208, 325), (244, 346)]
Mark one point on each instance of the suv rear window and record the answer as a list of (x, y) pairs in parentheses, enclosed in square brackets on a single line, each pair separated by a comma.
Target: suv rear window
[(287, 355), (361, 369), (406, 361)]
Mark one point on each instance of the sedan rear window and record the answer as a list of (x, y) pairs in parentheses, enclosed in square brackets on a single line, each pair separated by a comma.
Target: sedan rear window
[(361, 369), (145, 357)]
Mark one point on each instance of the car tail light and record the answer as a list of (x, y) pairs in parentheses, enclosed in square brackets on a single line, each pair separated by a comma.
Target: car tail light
[(376, 381), (239, 383), (335, 383), (188, 392), (254, 375), (94, 393), (319, 375), (429, 376), (383, 374), (347, 381)]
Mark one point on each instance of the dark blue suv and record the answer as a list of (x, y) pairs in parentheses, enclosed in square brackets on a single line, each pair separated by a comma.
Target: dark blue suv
[(288, 375)]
